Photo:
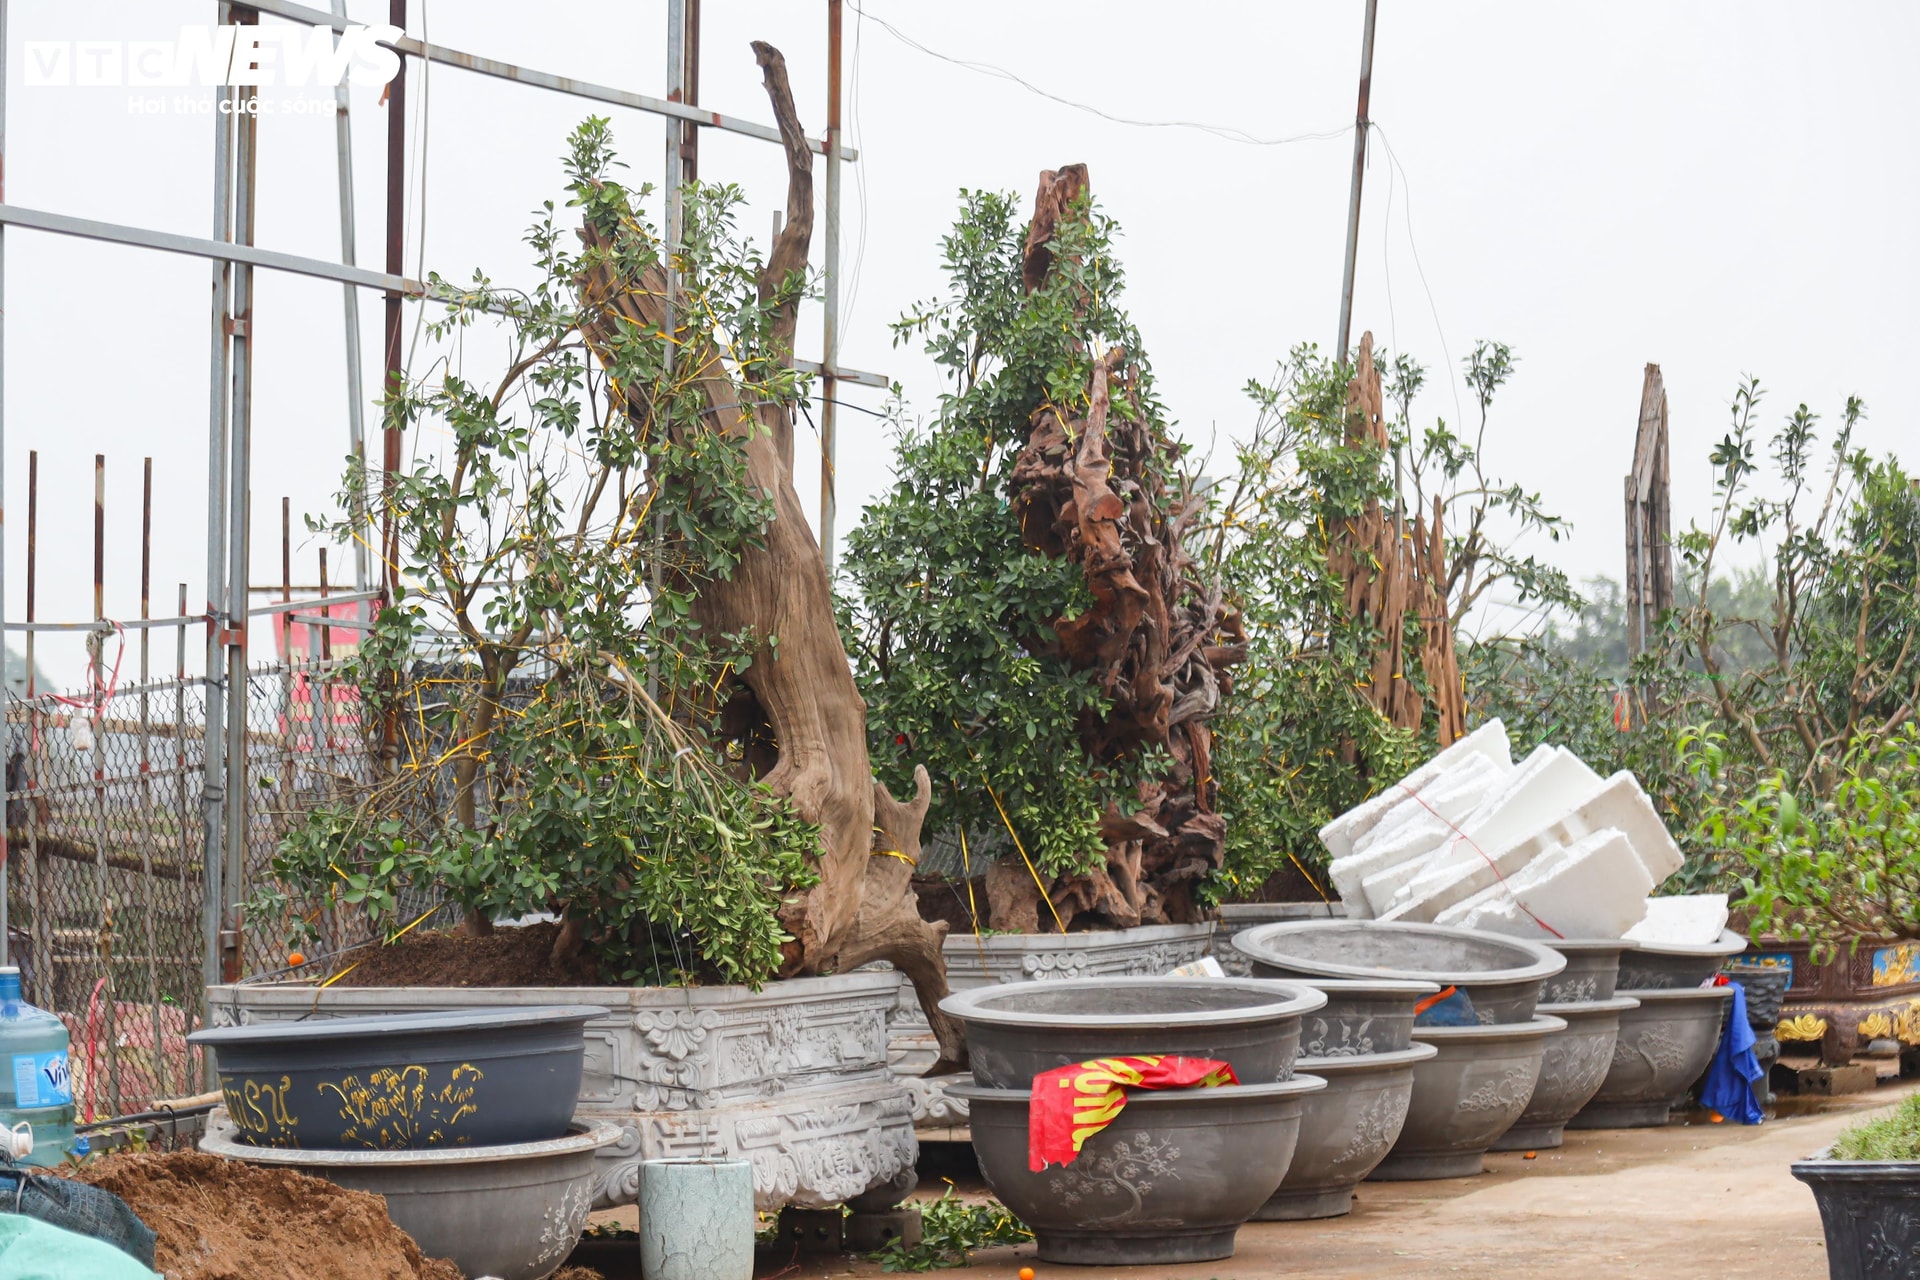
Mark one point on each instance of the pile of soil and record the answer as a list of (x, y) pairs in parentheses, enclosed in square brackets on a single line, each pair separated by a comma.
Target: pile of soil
[(508, 957), (222, 1220)]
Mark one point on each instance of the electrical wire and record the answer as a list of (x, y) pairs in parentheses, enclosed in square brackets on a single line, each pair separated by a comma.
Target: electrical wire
[(1460, 417), (1227, 133)]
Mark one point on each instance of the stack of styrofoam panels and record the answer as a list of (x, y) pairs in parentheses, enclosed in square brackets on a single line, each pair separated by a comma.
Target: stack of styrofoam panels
[(1469, 838), (1693, 920)]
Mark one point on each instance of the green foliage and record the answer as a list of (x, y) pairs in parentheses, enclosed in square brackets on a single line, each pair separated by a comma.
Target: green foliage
[(1297, 742), (948, 610), (1842, 867), (551, 695), (950, 1230), (1894, 1136)]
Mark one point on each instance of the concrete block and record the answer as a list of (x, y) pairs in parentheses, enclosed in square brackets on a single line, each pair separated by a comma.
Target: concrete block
[(872, 1232), (1693, 919), (1855, 1077), (1489, 740)]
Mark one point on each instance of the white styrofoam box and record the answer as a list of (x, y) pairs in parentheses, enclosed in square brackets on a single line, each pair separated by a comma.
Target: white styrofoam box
[(1692, 919), (1588, 889), (1384, 889), (1434, 806), (1489, 740), (1619, 804)]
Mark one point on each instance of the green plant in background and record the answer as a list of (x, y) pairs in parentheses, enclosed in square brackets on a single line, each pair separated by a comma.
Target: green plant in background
[(1894, 1136), (950, 1231), (544, 698), (1835, 866), (947, 607)]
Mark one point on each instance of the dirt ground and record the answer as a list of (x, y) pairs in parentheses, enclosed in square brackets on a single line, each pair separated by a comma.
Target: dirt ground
[(1689, 1202)]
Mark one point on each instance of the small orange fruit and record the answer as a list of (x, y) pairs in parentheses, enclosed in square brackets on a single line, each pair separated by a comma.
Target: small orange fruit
[(295, 959), (1531, 1155), (1026, 1273)]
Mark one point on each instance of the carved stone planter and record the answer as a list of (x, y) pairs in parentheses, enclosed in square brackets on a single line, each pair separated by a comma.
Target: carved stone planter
[(1345, 1131), (1871, 1212), (980, 961), (1466, 1096), (1169, 1181), (1236, 917), (1666, 966), (1360, 1016), (1663, 1046), (1592, 972), (1571, 1070), (792, 1077), (1016, 1032), (1502, 976)]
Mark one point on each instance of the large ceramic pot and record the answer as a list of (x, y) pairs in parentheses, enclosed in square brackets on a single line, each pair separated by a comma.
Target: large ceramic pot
[(1466, 1096), (792, 1077), (1169, 1181), (1664, 966), (1501, 976), (1662, 1047), (513, 1211), (474, 1078), (1235, 916), (1571, 1070), (1345, 1131), (1592, 972), (1871, 1212), (1016, 1032), (1361, 1017)]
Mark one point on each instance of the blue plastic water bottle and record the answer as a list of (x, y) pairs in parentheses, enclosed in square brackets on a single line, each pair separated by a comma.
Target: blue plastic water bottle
[(35, 1085)]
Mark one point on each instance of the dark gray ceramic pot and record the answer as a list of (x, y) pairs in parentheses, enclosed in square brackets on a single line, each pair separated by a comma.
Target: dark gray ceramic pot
[(1361, 1017), (1766, 988), (1345, 1130), (1871, 1212), (1501, 975), (466, 1078), (1663, 1046), (1592, 972), (1169, 1181), (1667, 966), (1465, 1097), (1015, 1031), (1571, 1070)]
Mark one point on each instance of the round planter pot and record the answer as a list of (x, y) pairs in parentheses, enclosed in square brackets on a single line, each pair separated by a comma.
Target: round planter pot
[(1667, 966), (1868, 1208), (1663, 1046), (696, 1219), (468, 1078), (1571, 1069), (513, 1211), (1502, 976), (1015, 1032), (1360, 1016), (1169, 1181), (1766, 988), (1592, 972), (1465, 1097), (1345, 1131)]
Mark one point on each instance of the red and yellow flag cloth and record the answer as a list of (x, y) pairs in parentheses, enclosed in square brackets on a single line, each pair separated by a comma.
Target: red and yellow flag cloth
[(1070, 1104)]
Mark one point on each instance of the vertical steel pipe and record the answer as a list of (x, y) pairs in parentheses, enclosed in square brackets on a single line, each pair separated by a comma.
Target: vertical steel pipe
[(1359, 171), (830, 284), (356, 395)]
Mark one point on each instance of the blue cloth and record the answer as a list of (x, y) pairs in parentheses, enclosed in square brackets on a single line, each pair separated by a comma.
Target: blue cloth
[(1729, 1085)]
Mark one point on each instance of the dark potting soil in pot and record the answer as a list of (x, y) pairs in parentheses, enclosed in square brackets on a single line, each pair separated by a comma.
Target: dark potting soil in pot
[(220, 1220), (511, 956)]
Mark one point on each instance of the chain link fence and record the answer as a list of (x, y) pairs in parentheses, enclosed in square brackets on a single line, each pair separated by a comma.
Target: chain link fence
[(107, 873)]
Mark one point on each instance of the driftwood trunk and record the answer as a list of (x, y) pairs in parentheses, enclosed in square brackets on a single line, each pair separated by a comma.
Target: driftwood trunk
[(802, 700), (1103, 490)]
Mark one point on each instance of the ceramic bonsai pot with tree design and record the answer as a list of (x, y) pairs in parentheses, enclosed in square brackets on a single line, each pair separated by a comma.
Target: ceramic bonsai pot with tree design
[(1592, 972), (1667, 966), (1360, 1016), (1501, 976), (1868, 1188), (1571, 1070), (1170, 1181), (1466, 1096), (1662, 1047), (468, 1078), (1016, 1032), (1346, 1130)]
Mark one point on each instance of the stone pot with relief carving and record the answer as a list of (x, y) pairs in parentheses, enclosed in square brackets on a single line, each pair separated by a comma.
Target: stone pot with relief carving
[(1663, 1046), (1345, 1131), (1466, 1096), (1571, 1071), (1592, 972)]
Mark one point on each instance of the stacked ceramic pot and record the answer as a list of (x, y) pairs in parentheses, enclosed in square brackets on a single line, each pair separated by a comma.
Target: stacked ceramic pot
[(1480, 1022), (1576, 1059), (1664, 1044), (1176, 1172), (462, 1120), (1766, 987)]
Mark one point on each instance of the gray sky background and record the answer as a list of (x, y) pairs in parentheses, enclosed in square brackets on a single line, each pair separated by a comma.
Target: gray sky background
[(1721, 188)]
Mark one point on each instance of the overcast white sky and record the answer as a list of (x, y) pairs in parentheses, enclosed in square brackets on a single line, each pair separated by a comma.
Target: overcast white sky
[(1721, 188)]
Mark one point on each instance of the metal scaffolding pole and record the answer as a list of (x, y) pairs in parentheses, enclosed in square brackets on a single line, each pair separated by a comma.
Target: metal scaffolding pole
[(6, 690), (830, 285), (356, 394), (1359, 171)]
